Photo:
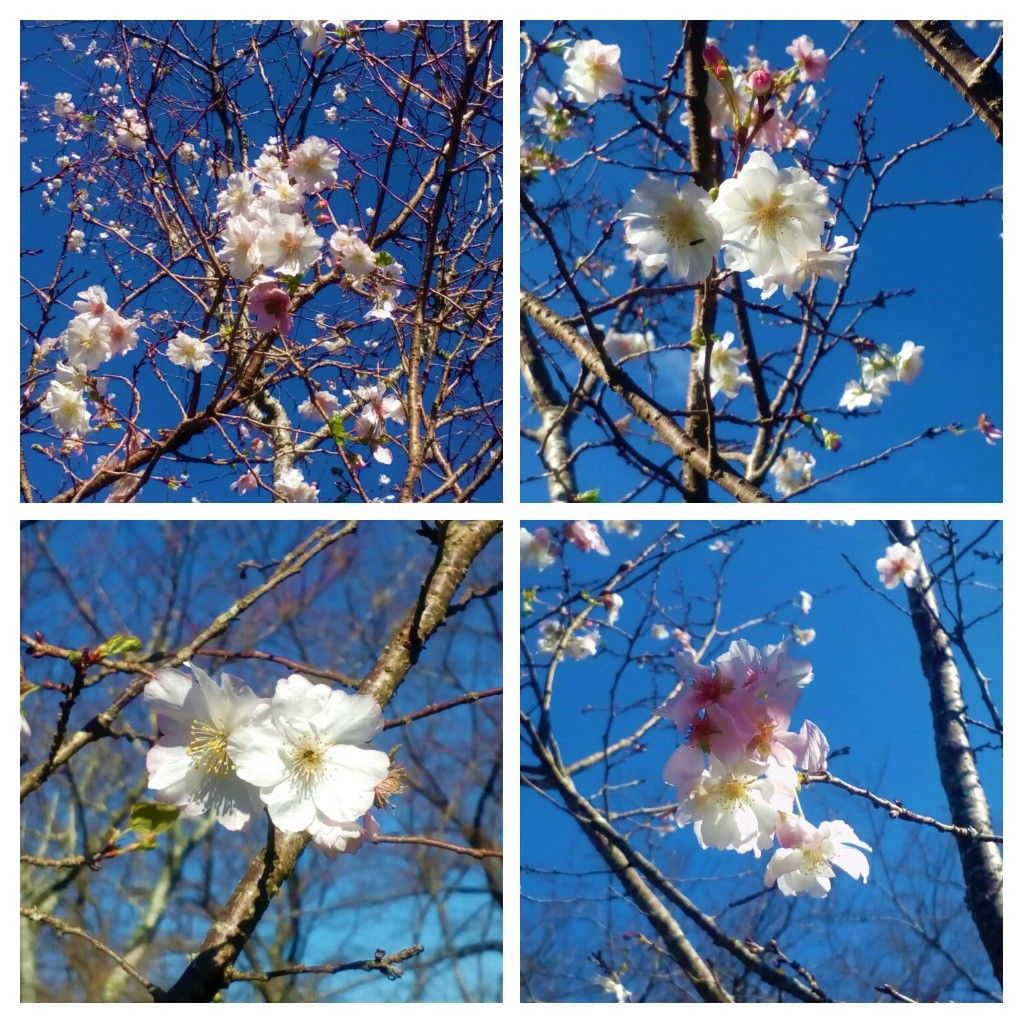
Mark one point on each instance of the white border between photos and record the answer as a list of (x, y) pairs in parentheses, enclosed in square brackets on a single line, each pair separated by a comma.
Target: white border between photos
[(511, 510)]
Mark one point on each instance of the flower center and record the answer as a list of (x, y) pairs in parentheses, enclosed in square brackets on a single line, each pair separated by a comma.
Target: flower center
[(678, 227), (208, 748), (733, 793), (814, 863), (309, 762), (769, 217)]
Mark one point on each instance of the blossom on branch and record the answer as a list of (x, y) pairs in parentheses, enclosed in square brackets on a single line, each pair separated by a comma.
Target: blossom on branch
[(593, 71), (804, 863), (672, 228), (307, 751), (191, 766)]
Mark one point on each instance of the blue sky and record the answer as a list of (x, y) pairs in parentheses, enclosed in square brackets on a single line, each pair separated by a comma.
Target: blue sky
[(363, 137), (362, 585), (868, 694), (950, 257)]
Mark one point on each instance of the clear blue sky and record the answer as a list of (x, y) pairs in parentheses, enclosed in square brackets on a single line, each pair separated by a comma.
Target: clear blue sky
[(48, 68), (362, 584), (868, 694), (951, 257)]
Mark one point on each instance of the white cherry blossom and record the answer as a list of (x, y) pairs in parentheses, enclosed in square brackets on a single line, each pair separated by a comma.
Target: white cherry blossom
[(67, 408), (804, 864), (593, 71), (308, 752), (184, 350), (191, 766), (672, 228)]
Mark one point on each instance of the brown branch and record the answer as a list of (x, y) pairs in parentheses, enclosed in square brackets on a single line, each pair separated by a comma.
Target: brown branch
[(440, 844), (458, 545), (659, 419), (897, 810), (65, 928), (385, 963), (976, 79), (444, 705)]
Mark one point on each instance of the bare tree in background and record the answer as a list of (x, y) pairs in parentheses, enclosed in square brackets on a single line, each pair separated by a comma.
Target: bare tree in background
[(622, 908), (115, 909)]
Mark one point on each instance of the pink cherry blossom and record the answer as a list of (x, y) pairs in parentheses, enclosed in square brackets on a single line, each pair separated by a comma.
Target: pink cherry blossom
[(804, 864), (813, 63), (271, 305), (586, 536), (900, 564), (989, 430)]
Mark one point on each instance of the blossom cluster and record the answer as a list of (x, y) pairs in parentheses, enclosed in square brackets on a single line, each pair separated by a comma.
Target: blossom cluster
[(266, 229), (880, 368), (737, 771), (303, 755), (97, 333), (538, 550)]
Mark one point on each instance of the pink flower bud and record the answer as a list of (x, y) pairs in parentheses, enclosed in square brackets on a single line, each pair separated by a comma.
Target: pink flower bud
[(715, 62), (760, 81), (391, 27)]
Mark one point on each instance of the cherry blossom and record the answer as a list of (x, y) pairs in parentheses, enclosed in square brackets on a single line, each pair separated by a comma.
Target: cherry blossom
[(900, 564), (627, 527), (737, 807), (621, 345), (612, 606), (371, 422), (322, 406), (770, 217), (247, 481), (804, 863), (672, 228), (343, 837), (67, 408), (88, 342), (725, 367), (352, 254), (555, 639), (288, 244), (314, 164), (184, 350), (271, 305), (593, 71), (292, 486), (793, 471), (130, 131), (314, 33), (586, 536), (191, 765), (817, 262), (537, 550), (307, 750), (813, 63)]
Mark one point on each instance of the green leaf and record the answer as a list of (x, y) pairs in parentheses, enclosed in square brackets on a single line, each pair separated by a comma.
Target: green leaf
[(529, 596), (149, 818), (594, 494), (384, 259), (338, 431), (119, 643)]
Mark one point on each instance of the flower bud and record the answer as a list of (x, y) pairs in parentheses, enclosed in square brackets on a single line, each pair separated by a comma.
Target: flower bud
[(760, 81), (715, 62)]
